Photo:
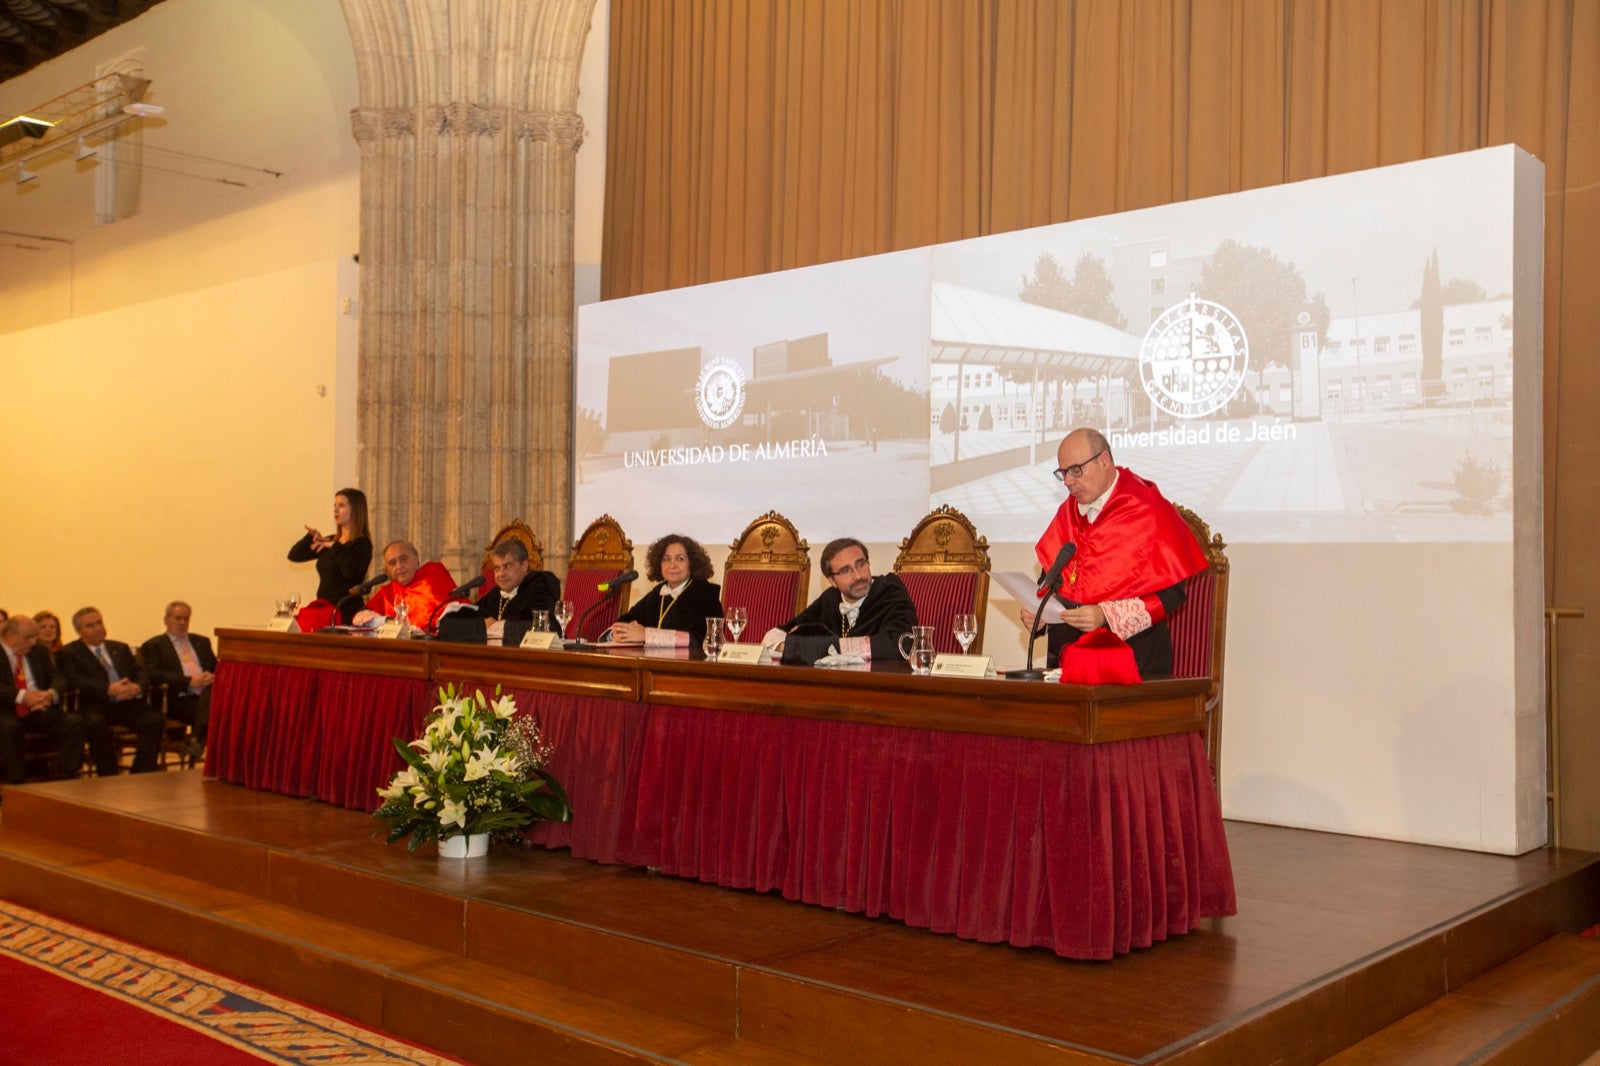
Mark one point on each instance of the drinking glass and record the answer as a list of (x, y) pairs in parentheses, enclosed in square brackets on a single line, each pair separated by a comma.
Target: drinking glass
[(563, 614), (737, 618), (292, 601), (541, 621), (713, 641), (966, 630)]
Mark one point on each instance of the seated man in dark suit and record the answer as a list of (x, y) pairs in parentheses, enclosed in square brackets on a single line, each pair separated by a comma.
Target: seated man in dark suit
[(30, 702), (518, 591), (110, 689), (186, 665), (858, 613)]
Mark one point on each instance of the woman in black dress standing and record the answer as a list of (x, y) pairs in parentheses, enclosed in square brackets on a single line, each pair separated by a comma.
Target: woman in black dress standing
[(680, 604), (342, 556)]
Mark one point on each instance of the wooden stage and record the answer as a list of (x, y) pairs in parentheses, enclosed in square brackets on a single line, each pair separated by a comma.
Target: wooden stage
[(531, 955)]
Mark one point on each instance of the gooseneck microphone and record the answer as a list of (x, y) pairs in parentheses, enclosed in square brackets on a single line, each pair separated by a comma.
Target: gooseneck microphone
[(462, 590), (368, 585), (1050, 580), (625, 578), (609, 588), (1049, 584)]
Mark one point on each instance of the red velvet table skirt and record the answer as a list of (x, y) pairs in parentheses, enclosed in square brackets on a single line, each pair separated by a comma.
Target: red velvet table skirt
[(1087, 849), (319, 733)]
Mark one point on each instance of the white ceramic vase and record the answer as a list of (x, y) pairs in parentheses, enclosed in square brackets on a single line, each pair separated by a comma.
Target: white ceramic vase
[(464, 847)]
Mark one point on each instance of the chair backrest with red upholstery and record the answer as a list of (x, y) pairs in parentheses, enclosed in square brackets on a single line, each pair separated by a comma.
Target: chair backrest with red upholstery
[(944, 564), (602, 553), (1199, 630), (520, 531), (768, 573)]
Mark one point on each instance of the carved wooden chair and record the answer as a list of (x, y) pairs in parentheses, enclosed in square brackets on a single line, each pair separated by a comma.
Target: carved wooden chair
[(768, 573), (945, 566), (518, 530), (1199, 631), (602, 553)]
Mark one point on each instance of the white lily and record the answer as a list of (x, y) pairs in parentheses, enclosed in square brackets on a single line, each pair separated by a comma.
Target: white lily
[(453, 813), (479, 765)]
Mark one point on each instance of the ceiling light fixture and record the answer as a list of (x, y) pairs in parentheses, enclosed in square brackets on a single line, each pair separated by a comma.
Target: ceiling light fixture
[(97, 107)]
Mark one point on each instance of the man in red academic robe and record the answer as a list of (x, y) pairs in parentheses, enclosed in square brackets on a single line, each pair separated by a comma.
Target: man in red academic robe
[(1134, 552), (422, 587)]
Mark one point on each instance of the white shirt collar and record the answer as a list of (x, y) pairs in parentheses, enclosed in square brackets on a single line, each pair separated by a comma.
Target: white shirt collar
[(670, 590), (1092, 510)]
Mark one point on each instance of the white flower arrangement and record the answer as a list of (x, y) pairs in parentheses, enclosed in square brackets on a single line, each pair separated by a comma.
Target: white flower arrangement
[(477, 768)]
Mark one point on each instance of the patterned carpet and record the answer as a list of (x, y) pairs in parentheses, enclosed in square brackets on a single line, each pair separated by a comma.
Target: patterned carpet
[(188, 1000)]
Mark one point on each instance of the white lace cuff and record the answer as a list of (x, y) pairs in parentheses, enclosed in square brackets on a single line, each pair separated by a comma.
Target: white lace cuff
[(1126, 617)]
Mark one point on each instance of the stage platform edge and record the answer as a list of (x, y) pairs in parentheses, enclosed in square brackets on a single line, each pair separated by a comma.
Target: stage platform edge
[(1342, 946)]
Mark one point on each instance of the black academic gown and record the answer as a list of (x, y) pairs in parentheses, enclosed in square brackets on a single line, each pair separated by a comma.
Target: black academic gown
[(886, 615), (698, 601)]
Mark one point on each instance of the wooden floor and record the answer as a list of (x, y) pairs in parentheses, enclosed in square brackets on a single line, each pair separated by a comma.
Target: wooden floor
[(1336, 937)]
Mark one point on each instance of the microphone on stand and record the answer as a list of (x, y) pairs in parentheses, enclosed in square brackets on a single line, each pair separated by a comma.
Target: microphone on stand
[(611, 587), (1051, 578), (462, 590), (1049, 585), (368, 585)]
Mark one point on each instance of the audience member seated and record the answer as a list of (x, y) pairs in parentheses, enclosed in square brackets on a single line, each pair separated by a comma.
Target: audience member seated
[(30, 702), (674, 613), (49, 631), (423, 587), (519, 590), (110, 692), (342, 556), (186, 665), (858, 614)]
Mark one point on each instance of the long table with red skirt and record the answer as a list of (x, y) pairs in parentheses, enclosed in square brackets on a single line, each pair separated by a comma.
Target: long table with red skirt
[(1082, 819)]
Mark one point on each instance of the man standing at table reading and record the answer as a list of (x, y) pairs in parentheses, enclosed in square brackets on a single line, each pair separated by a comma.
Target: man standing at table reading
[(422, 587), (1134, 552), (859, 614)]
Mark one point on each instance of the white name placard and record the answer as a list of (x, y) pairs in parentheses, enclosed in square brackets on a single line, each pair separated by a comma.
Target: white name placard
[(390, 630), (963, 665), (540, 639), (742, 653), (282, 623)]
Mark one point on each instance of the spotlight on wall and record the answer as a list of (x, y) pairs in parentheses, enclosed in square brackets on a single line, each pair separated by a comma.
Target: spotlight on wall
[(24, 175), (143, 110)]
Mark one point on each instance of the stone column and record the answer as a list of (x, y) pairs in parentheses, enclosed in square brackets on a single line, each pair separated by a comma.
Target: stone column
[(464, 399)]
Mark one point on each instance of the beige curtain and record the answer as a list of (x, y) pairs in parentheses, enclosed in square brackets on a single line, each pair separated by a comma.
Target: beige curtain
[(756, 135)]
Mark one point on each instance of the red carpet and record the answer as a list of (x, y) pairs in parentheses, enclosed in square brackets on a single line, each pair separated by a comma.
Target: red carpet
[(68, 995), (51, 1020)]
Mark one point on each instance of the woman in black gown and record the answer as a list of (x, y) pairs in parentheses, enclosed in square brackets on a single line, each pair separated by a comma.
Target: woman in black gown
[(680, 604), (342, 556)]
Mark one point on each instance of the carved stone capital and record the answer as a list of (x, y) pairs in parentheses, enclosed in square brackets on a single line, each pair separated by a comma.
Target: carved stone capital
[(368, 122), (563, 128), (465, 118)]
